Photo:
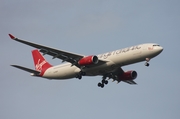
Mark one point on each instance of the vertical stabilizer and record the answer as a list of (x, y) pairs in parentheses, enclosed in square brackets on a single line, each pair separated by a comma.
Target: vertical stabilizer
[(40, 63)]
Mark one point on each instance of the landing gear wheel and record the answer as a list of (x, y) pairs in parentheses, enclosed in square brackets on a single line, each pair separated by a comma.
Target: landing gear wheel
[(80, 77), (146, 64), (147, 60), (103, 81), (82, 73), (101, 85), (106, 82)]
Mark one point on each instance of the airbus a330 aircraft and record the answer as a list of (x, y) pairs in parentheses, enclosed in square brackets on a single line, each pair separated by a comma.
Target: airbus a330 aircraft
[(108, 65)]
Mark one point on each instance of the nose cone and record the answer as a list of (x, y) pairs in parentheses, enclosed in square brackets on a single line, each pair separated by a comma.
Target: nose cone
[(160, 49)]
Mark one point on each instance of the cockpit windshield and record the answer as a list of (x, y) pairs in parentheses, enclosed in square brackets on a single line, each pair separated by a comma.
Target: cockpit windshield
[(156, 45)]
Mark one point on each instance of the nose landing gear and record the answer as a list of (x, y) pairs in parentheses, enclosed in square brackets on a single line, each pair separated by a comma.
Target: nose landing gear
[(146, 63)]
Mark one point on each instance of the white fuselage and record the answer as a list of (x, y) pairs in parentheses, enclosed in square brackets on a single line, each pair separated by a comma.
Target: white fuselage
[(114, 59)]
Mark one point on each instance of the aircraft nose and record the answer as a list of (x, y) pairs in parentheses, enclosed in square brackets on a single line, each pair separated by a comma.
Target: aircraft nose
[(160, 49)]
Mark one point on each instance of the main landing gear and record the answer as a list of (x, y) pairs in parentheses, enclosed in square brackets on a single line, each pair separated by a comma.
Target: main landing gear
[(81, 73), (104, 81)]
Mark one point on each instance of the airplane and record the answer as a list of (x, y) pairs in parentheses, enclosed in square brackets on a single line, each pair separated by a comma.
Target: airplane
[(108, 65)]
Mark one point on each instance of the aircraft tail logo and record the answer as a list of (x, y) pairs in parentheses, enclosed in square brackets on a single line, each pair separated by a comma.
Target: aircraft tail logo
[(39, 61)]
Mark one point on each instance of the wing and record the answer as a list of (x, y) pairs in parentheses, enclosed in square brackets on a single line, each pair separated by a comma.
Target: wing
[(65, 56), (56, 53)]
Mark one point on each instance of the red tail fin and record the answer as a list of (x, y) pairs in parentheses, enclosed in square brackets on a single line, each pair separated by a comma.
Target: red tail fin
[(39, 62)]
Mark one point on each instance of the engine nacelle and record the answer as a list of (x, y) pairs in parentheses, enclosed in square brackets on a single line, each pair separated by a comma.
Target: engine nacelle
[(129, 75), (88, 60)]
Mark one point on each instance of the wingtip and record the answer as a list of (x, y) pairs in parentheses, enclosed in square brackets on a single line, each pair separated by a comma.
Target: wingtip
[(11, 36), (13, 65)]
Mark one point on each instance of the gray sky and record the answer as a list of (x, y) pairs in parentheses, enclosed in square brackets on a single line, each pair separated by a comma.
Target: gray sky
[(90, 27)]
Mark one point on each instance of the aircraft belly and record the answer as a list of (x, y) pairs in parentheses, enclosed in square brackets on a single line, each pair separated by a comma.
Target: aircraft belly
[(61, 73)]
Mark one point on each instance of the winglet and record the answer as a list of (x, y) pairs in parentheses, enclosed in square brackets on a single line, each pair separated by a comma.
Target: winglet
[(11, 36)]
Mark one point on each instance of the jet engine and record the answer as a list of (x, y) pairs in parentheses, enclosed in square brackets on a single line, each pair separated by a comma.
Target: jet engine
[(129, 75), (88, 60)]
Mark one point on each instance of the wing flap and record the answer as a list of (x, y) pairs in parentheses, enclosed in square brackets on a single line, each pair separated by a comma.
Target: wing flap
[(130, 82), (62, 56)]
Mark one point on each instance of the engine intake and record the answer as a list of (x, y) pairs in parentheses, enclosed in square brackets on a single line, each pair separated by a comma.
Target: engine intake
[(93, 59)]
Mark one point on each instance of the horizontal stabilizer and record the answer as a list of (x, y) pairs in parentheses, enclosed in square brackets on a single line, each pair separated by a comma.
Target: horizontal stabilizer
[(27, 69)]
